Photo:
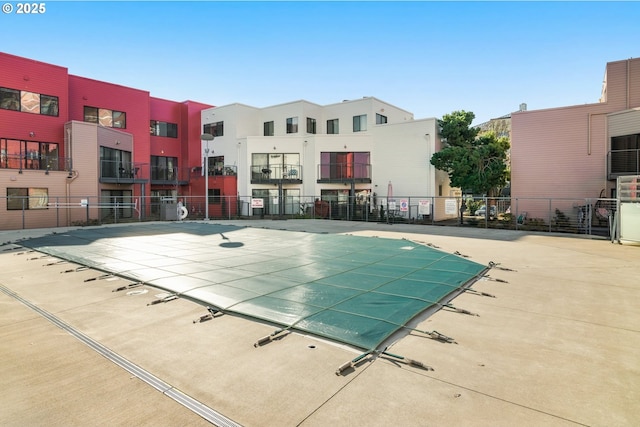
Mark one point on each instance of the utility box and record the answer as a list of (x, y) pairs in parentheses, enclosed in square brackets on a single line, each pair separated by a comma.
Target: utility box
[(628, 212), (168, 209)]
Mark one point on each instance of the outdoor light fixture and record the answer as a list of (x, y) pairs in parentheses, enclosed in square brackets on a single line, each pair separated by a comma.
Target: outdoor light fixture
[(206, 137)]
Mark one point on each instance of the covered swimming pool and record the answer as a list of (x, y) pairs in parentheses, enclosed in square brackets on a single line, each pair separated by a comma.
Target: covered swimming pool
[(354, 290)]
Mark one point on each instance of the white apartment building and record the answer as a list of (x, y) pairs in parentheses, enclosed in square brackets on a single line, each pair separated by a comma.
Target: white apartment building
[(351, 154)]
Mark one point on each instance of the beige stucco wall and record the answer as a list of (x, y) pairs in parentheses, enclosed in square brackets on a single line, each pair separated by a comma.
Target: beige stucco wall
[(562, 152), (54, 182)]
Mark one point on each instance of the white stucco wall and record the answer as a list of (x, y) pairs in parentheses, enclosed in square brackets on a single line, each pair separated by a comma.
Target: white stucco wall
[(399, 150)]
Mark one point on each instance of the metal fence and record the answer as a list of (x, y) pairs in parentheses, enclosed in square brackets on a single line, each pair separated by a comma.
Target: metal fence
[(591, 216)]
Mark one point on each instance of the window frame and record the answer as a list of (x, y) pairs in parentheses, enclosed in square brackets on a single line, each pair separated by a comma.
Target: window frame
[(214, 197), (163, 129), (105, 117), (18, 99), (54, 104), (381, 119), (311, 125), (30, 193), (292, 124), (162, 163), (360, 123), (333, 126), (9, 96), (215, 129), (268, 128)]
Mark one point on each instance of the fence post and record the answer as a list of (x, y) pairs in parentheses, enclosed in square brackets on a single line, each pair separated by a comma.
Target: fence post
[(589, 216), (23, 215), (487, 211), (549, 215)]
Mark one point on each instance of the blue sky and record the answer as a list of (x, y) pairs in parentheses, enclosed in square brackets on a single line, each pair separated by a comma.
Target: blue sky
[(430, 58)]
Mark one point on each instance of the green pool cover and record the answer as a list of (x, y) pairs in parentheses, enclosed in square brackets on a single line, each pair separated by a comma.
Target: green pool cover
[(354, 290)]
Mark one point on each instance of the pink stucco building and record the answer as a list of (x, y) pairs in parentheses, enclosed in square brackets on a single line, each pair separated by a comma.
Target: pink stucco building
[(577, 152)]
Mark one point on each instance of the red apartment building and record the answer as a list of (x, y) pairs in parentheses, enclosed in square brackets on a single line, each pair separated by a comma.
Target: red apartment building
[(76, 150)]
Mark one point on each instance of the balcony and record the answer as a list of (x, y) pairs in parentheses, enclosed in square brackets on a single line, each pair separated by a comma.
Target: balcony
[(34, 161), (623, 162), (170, 176), (274, 174), (116, 172), (226, 170), (344, 172)]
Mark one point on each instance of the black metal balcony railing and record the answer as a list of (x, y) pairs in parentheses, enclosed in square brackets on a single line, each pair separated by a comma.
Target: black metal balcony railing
[(268, 174), (623, 162), (344, 172), (122, 172), (163, 175), (34, 161), (226, 170)]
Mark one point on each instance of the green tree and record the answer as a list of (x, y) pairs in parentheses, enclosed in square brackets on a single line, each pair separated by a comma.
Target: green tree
[(474, 163)]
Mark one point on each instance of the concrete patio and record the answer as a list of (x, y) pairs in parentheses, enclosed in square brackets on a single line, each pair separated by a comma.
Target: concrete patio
[(554, 341)]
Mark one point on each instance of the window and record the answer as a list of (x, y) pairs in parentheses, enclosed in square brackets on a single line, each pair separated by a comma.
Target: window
[(119, 120), (292, 125), (216, 165), (9, 99), (215, 129), (164, 168), (214, 196), (335, 196), (49, 105), (105, 117), (345, 165), (332, 126), (311, 125), (268, 128), (115, 163), (279, 165), (16, 154), (360, 123), (158, 128), (27, 198), (625, 154), (118, 203), (380, 119), (28, 102), (288, 202), (90, 114)]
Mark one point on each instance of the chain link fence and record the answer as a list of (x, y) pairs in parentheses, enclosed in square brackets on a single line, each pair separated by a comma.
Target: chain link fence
[(591, 216)]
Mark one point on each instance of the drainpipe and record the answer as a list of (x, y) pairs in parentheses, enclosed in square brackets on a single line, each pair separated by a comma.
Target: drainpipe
[(70, 178), (628, 62), (589, 135)]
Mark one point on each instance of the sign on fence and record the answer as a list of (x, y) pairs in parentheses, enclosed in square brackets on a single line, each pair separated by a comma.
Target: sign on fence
[(257, 203), (424, 207), (451, 207)]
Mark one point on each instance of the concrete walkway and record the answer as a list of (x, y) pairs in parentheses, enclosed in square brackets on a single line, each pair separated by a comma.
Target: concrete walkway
[(558, 344)]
